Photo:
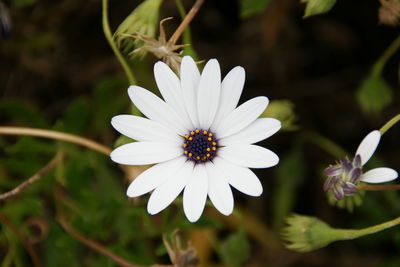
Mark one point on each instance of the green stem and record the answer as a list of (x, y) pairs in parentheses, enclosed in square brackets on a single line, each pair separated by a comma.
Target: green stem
[(387, 54), (389, 124), (379, 187), (352, 234), (108, 35), (324, 143)]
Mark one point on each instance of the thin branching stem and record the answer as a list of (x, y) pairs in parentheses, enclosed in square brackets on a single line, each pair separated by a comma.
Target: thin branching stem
[(34, 178), (35, 259), (185, 22), (71, 138), (109, 36), (83, 239), (379, 187)]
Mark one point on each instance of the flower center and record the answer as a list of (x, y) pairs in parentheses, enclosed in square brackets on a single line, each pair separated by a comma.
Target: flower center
[(200, 145)]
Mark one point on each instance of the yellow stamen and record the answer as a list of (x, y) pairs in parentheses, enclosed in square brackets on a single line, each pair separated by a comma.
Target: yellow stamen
[(186, 136), (192, 133), (190, 154), (210, 134), (197, 130), (185, 152), (214, 148), (198, 157), (208, 155), (214, 143), (205, 132), (184, 145), (209, 138), (208, 149), (190, 138)]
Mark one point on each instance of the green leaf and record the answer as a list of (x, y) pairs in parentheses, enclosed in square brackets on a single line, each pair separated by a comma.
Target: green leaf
[(76, 116), (142, 20), (249, 8), (235, 249), (283, 110), (316, 7), (374, 95), (290, 174), (22, 112)]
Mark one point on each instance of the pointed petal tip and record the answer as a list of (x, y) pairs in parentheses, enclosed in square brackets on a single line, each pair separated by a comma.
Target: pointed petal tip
[(368, 146)]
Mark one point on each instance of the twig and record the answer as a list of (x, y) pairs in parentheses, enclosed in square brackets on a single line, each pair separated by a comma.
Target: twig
[(9, 130), (24, 241), (86, 241), (51, 165), (379, 187), (185, 22)]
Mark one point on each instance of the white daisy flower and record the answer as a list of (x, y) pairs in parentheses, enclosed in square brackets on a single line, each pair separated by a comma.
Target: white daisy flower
[(345, 175), (199, 141)]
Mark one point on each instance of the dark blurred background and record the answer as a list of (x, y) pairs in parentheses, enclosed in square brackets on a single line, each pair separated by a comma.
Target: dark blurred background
[(56, 53)]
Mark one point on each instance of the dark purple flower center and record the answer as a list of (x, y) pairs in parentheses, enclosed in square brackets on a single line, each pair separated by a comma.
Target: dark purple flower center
[(200, 145)]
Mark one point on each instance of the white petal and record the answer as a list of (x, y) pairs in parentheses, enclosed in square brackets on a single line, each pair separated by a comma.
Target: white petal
[(368, 146), (156, 109), (154, 176), (142, 129), (242, 116), (170, 88), (259, 130), (240, 178), (251, 156), (379, 175), (195, 193), (208, 93), (231, 90), (219, 191), (163, 195), (142, 153), (190, 77)]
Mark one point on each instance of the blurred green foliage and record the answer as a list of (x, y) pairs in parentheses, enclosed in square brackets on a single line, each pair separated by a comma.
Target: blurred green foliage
[(316, 7), (249, 8)]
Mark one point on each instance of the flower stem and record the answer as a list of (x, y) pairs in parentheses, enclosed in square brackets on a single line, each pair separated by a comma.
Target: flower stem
[(8, 130), (352, 234), (181, 28), (324, 143), (108, 35), (389, 124), (387, 54), (379, 187)]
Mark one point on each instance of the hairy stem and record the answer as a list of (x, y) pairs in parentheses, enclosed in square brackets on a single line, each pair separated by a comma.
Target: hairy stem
[(352, 234), (189, 17), (71, 138)]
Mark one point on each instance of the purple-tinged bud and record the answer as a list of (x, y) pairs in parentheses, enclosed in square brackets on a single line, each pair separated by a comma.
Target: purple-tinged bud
[(349, 189), (333, 170)]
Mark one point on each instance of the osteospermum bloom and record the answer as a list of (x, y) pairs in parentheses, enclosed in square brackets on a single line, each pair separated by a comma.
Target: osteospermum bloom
[(199, 141), (344, 176)]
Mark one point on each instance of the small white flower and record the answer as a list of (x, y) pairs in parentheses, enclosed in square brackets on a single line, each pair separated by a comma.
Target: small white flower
[(344, 176), (199, 141)]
